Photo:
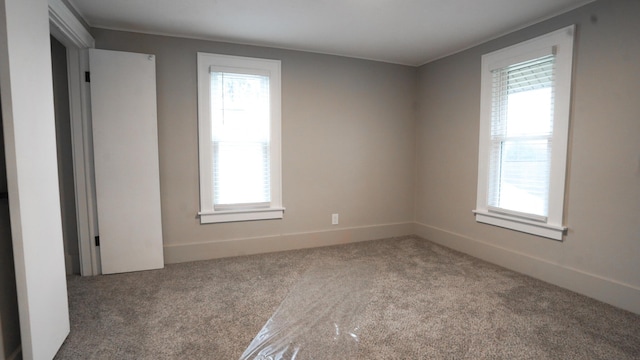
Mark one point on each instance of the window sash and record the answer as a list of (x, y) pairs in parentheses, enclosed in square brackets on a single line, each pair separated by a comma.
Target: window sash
[(520, 180), (520, 145), (248, 185), (240, 139)]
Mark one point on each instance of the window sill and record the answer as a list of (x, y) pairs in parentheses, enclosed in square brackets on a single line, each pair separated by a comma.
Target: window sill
[(208, 217), (546, 230)]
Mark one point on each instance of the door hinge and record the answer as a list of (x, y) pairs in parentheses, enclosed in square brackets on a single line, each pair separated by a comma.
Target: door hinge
[(87, 76), (97, 238)]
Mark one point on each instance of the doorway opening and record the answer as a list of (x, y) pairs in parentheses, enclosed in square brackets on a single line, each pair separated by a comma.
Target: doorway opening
[(69, 43), (9, 316), (65, 157)]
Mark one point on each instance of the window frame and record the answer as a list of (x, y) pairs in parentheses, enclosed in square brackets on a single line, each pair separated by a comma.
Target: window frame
[(559, 42), (208, 213)]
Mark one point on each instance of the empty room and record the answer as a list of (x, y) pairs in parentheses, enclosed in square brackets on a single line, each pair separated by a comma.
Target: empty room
[(320, 180)]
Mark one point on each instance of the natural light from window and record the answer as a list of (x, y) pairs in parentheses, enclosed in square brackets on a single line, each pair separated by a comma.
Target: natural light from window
[(525, 153), (240, 138), (522, 128)]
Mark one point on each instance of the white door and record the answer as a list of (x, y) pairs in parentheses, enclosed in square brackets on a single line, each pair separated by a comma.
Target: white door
[(32, 178), (125, 140)]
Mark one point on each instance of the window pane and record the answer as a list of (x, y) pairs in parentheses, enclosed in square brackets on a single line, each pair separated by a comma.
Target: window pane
[(524, 176), (240, 107), (241, 173), (522, 99), (529, 113), (240, 137)]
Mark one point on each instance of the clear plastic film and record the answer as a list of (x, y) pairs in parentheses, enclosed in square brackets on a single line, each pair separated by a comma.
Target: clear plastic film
[(318, 318)]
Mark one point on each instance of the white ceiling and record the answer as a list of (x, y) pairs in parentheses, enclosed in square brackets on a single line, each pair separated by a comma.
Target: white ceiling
[(411, 32)]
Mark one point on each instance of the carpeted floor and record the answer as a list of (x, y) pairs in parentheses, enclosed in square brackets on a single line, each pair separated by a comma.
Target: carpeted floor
[(404, 298)]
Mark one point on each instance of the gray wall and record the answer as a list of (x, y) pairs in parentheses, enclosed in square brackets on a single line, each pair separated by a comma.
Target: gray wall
[(347, 147), (599, 255)]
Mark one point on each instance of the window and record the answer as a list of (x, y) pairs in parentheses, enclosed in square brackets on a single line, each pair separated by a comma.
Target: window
[(239, 138), (524, 125)]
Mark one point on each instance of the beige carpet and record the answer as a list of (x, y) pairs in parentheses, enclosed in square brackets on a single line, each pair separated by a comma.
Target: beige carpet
[(394, 299)]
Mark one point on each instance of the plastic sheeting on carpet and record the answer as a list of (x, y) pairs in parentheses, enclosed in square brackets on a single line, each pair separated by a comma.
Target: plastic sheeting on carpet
[(318, 318)]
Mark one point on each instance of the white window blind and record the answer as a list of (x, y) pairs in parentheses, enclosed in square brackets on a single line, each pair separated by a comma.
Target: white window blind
[(240, 139), (521, 137)]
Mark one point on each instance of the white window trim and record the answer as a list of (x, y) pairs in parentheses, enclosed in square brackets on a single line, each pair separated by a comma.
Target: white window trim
[(561, 42), (207, 212)]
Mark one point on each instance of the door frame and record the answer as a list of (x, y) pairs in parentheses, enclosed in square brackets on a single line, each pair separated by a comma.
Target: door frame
[(67, 29)]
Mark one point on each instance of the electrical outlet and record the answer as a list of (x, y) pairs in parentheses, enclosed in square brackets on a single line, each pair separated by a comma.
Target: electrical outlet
[(334, 219)]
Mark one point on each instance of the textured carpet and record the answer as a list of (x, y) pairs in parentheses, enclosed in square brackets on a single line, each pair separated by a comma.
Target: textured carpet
[(403, 298)]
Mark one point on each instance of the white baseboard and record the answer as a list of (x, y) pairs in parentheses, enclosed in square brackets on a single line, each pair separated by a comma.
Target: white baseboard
[(610, 291), (259, 245)]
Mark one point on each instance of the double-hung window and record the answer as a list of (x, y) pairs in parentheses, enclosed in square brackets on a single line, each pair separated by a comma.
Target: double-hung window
[(524, 123), (239, 138)]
